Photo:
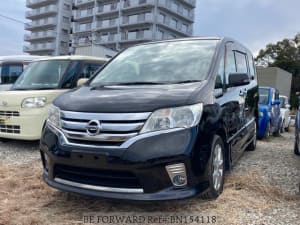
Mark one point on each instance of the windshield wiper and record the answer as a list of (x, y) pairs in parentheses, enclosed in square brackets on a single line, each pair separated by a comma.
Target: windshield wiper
[(187, 81)]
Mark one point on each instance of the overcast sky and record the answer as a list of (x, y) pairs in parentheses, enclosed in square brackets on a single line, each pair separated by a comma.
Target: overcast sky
[(253, 22)]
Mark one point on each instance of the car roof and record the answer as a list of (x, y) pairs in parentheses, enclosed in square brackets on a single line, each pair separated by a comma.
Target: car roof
[(17, 58), (73, 57)]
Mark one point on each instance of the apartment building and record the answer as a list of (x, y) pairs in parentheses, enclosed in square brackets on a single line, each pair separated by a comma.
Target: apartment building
[(49, 28), (117, 24)]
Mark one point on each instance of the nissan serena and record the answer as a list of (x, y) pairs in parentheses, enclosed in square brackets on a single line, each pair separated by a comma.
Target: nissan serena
[(160, 121)]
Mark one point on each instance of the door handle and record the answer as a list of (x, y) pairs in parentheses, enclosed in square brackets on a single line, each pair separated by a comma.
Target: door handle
[(243, 93)]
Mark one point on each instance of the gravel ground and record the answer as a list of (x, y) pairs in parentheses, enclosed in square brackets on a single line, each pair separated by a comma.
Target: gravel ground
[(262, 189)]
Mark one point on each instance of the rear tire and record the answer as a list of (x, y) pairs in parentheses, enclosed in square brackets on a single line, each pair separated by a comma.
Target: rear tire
[(268, 130), (216, 169)]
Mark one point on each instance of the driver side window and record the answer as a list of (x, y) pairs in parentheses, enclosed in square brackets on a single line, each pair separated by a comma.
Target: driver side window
[(220, 74)]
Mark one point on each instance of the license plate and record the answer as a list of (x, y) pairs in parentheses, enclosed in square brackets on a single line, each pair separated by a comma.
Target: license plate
[(4, 119)]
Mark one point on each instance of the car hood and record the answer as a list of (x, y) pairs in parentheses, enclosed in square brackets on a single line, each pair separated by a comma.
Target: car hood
[(9, 99), (138, 98)]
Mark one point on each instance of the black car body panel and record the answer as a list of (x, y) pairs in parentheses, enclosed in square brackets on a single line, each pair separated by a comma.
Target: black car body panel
[(139, 163)]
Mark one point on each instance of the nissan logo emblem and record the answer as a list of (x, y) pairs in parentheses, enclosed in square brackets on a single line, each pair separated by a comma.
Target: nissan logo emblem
[(93, 128)]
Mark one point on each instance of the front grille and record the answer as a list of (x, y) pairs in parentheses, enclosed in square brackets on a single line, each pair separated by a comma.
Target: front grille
[(10, 129), (105, 178), (115, 128), (9, 113)]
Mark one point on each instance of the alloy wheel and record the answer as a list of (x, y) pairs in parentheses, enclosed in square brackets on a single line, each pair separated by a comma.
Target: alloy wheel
[(218, 170)]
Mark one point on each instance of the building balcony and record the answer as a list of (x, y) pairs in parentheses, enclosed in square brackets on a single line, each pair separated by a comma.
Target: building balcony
[(38, 3), (82, 28), (43, 11), (192, 3), (43, 23), (84, 14), (105, 24), (79, 3), (175, 27), (133, 4), (178, 12), (137, 19), (107, 39), (107, 9), (40, 35), (49, 46), (137, 36)]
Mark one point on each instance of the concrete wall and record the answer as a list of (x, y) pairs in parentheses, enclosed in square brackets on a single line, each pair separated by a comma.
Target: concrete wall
[(275, 77)]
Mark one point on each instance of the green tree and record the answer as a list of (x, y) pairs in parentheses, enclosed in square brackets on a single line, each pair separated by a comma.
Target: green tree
[(284, 54)]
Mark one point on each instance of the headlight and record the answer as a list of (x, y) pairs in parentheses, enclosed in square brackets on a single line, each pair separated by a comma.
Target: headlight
[(34, 102), (179, 117), (54, 116), (261, 114)]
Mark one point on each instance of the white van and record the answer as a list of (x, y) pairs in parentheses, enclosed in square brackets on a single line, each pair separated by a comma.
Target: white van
[(24, 108), (11, 67)]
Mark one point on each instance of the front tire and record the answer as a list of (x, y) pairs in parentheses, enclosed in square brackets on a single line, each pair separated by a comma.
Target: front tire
[(216, 169)]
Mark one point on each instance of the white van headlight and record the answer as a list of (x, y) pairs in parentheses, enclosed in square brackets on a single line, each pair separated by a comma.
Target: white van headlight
[(179, 117), (34, 102), (54, 116)]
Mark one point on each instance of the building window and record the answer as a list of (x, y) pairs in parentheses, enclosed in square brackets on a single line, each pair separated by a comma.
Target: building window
[(184, 28), (160, 35), (66, 19), (126, 3), (142, 2), (162, 18), (67, 7), (174, 23)]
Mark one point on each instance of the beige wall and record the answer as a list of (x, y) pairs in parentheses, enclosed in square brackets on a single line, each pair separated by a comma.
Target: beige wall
[(275, 77)]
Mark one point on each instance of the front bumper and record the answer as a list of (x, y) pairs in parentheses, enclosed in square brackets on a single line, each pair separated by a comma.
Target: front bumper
[(26, 125), (134, 173)]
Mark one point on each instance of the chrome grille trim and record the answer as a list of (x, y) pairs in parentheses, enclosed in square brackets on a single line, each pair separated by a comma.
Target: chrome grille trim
[(105, 116), (115, 128), (100, 137), (9, 113), (105, 126)]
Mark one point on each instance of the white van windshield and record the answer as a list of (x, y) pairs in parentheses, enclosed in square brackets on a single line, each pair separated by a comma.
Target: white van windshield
[(168, 62), (42, 75)]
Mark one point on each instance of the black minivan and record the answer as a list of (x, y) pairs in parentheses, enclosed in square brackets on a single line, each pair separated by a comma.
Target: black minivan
[(162, 120)]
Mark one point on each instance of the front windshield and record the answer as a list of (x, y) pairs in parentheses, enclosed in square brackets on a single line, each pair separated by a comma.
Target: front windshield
[(168, 62), (263, 96), (42, 75)]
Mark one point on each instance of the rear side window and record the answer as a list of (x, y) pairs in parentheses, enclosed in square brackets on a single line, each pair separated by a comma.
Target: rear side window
[(241, 62)]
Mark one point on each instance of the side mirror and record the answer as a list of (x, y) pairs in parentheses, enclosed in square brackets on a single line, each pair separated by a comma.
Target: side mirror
[(276, 102), (238, 79), (287, 106), (81, 81)]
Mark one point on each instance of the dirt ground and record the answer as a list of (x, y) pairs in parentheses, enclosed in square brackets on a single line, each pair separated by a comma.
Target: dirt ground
[(261, 189)]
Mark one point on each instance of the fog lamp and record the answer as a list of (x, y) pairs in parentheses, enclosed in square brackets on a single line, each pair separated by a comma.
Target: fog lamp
[(177, 174)]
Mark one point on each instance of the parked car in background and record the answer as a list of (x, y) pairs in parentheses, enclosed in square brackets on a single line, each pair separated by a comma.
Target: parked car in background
[(160, 121), (11, 67), (285, 113), (297, 129), (23, 109), (269, 112)]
